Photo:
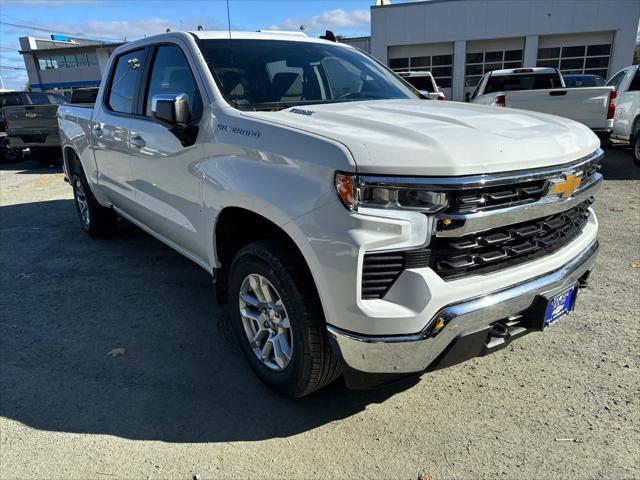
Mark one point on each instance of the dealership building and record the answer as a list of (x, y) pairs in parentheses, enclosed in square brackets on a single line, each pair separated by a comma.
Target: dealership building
[(62, 63), (460, 40)]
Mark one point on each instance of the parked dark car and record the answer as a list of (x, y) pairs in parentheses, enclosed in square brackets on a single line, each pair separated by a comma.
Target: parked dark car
[(574, 80), (29, 120)]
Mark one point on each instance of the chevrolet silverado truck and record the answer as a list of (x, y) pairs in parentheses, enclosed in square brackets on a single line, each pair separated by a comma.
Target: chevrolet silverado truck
[(350, 227), (544, 90), (626, 122), (31, 123)]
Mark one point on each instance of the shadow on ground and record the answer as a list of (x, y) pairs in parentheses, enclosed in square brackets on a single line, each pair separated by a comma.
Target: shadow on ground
[(67, 300), (29, 165)]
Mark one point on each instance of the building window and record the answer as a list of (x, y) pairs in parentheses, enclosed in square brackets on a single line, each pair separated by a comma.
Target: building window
[(399, 63), (478, 64), (592, 59), (440, 66), (79, 60)]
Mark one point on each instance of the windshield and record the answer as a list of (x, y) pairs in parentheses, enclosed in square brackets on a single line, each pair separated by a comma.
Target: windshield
[(583, 81), (275, 74), (532, 81)]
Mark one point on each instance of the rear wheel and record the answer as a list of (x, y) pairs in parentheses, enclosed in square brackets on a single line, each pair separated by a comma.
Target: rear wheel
[(278, 321), (95, 219), (8, 154)]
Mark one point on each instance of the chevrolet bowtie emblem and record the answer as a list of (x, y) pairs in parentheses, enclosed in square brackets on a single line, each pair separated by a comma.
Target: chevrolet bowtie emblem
[(31, 115), (567, 186)]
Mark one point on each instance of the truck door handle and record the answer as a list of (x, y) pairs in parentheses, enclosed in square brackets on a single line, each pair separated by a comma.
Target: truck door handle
[(557, 93), (137, 141), (97, 130)]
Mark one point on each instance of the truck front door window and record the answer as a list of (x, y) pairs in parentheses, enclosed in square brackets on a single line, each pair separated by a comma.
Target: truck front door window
[(171, 75)]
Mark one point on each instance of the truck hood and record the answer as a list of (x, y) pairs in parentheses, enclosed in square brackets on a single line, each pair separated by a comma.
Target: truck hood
[(422, 137)]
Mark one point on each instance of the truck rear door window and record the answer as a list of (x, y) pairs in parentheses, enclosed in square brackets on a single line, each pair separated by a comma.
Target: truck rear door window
[(507, 83), (124, 80)]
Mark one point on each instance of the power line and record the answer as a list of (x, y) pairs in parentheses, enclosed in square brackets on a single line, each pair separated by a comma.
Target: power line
[(48, 30), (12, 68)]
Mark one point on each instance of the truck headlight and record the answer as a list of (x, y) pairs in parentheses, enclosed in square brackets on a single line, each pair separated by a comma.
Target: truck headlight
[(357, 193)]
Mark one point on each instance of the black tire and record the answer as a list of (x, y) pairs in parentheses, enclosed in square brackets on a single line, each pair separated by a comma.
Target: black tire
[(8, 154), (635, 146), (96, 220), (47, 156), (312, 364)]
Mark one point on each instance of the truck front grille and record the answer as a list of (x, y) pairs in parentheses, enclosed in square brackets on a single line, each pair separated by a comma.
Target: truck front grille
[(477, 199), (505, 247), (454, 254), (471, 200), (479, 253)]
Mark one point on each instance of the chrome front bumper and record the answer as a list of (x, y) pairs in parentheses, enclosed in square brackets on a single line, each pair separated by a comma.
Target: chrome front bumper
[(414, 353)]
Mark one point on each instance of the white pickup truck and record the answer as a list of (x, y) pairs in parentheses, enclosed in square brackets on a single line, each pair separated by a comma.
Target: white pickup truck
[(543, 90), (351, 227), (626, 123)]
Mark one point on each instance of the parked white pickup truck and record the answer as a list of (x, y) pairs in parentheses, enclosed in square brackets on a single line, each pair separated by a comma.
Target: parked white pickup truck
[(543, 90), (350, 227), (626, 123)]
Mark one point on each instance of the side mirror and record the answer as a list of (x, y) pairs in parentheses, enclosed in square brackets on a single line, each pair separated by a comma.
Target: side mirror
[(171, 109), (467, 97)]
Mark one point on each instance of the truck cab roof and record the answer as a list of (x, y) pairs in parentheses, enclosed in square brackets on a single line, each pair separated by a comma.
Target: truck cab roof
[(260, 35)]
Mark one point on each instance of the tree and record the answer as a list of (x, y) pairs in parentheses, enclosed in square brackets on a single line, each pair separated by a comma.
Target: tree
[(27, 86)]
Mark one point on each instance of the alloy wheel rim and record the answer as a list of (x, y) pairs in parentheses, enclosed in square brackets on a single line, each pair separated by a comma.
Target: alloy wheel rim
[(81, 201), (637, 147), (265, 322)]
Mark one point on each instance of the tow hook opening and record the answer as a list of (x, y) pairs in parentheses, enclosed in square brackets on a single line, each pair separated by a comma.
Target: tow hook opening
[(583, 281)]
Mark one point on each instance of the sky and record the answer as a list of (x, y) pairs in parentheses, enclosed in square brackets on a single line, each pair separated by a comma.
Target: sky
[(131, 19)]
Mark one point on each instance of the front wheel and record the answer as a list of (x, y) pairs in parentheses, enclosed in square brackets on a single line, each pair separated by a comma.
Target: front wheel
[(635, 148), (278, 321)]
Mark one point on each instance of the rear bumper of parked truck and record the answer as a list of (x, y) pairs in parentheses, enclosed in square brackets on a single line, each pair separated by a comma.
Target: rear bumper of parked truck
[(472, 328), (51, 140)]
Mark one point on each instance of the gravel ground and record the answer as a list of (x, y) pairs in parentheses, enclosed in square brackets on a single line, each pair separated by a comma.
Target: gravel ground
[(181, 401)]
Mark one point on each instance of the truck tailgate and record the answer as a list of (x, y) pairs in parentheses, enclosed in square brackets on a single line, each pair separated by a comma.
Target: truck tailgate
[(31, 119), (585, 105)]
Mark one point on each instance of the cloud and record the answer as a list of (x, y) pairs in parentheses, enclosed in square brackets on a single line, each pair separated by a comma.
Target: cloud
[(114, 29), (337, 20)]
